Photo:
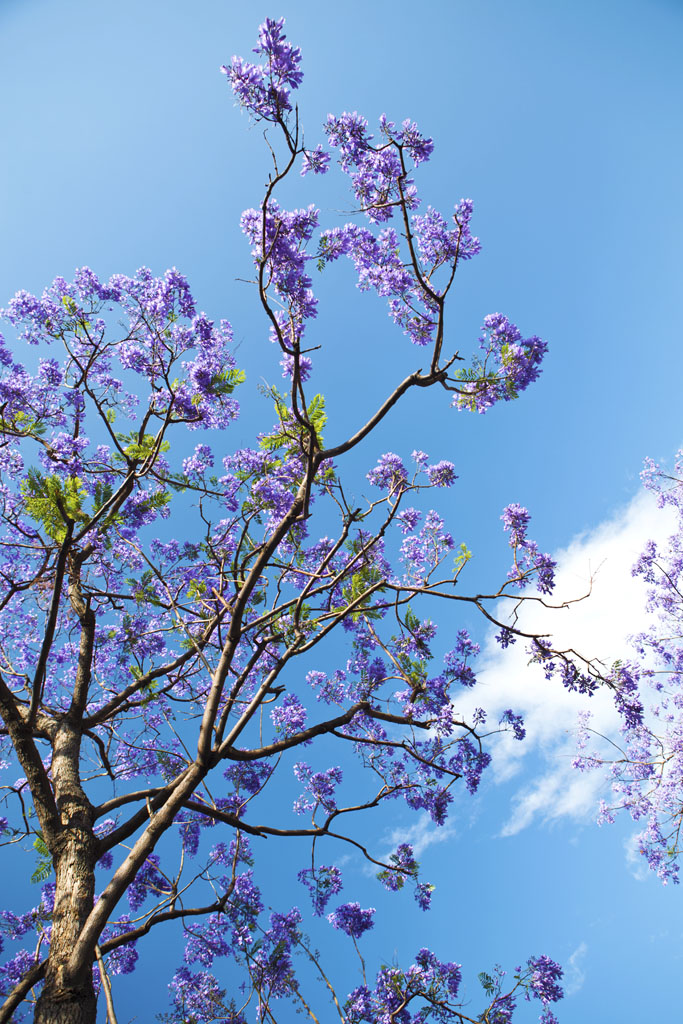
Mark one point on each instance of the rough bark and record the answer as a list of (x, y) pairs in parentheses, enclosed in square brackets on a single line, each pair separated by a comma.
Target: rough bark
[(69, 998)]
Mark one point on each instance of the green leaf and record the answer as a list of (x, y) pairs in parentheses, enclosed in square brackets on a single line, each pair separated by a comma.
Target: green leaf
[(487, 983), (463, 556), (225, 382), (196, 589), (412, 621), (140, 448), (52, 501), (44, 866), (317, 415)]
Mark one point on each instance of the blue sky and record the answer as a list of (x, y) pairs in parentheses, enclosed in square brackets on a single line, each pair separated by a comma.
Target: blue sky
[(562, 121)]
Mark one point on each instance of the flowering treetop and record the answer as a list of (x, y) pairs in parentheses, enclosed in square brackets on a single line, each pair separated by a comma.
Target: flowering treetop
[(168, 607)]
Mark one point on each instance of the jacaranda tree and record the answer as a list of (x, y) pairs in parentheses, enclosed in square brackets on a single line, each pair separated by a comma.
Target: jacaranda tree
[(173, 614), (646, 765)]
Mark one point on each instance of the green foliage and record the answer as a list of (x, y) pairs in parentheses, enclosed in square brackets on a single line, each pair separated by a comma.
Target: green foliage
[(102, 494), (53, 502), (364, 576), (291, 436), (22, 425), (318, 416), (155, 500), (196, 589), (143, 590), (150, 688), (282, 438), (225, 382), (487, 983), (411, 620), (150, 691), (359, 584), (140, 449), (463, 556), (44, 864)]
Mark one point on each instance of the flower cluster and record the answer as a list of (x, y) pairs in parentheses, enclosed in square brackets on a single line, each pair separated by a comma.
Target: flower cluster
[(377, 172), (290, 717), (544, 977), (380, 267), (516, 722), (457, 661), (264, 89), (389, 473), (439, 244), (529, 561), (278, 239), (352, 919), (510, 364), (319, 788), (429, 978), (323, 883), (424, 551), (315, 160)]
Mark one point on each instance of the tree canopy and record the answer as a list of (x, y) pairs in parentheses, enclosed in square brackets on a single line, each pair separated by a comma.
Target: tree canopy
[(187, 625)]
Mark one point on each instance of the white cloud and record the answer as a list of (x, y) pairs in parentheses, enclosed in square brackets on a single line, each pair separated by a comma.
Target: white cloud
[(421, 834), (599, 627), (574, 974), (635, 860)]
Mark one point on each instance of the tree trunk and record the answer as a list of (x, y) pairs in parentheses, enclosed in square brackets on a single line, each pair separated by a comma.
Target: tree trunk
[(67, 998)]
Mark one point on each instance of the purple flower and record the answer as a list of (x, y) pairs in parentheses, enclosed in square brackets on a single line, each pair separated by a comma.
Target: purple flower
[(408, 519), (545, 975), (510, 364), (305, 366), (65, 454), (198, 996), (424, 552), (389, 473), (516, 721), (322, 883), (529, 561), (351, 919), (265, 89), (442, 474), (438, 244), (316, 160), (198, 462), (456, 661), (516, 519), (319, 786), (423, 895), (290, 717), (148, 882)]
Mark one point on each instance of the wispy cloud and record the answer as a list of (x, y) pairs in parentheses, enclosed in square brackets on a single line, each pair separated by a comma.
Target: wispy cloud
[(599, 627), (421, 834), (574, 974)]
